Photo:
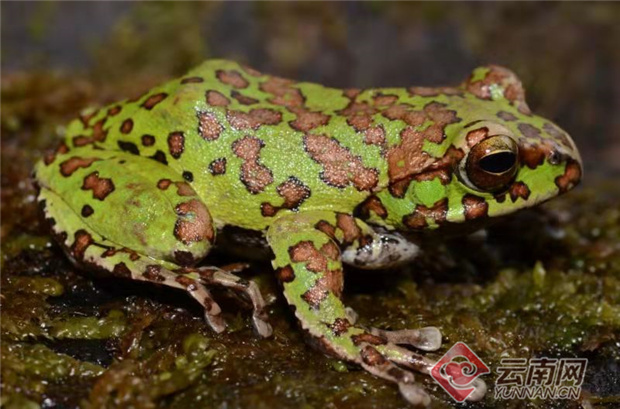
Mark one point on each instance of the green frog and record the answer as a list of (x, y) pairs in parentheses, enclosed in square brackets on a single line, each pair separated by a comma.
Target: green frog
[(315, 176)]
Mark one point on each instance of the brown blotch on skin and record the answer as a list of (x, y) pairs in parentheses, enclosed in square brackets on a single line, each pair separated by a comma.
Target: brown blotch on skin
[(160, 157), (360, 123), (85, 119), (476, 136), (283, 91), (101, 187), (519, 190), (351, 93), (407, 158), (110, 252), (384, 100), (531, 155), (127, 126), (194, 222), (114, 110), (99, 134), (557, 134), (436, 112), (121, 270), (153, 100), (192, 80), (294, 193), (187, 283), (254, 175), (184, 189), (153, 273), (218, 167), (326, 228), (253, 119), (399, 187), (148, 140), (570, 178), (433, 92), (506, 116), (373, 205), (128, 147), (475, 207), (315, 295), (375, 135), (72, 164), (285, 274), (82, 240), (216, 99), (372, 357), (444, 167), (243, 99), (176, 144), (208, 126), (340, 167), (366, 338), (305, 252), (50, 156), (184, 258), (331, 250), (308, 120), (529, 131), (417, 220), (349, 227), (340, 326), (232, 78), (87, 211)]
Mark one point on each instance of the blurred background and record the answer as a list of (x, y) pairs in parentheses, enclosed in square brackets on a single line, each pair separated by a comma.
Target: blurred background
[(566, 54)]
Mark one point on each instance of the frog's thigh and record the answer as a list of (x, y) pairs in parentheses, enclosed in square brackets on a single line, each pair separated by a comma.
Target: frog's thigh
[(86, 248), (380, 250), (134, 202)]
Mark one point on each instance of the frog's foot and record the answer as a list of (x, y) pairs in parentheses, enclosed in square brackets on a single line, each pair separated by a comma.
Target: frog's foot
[(409, 359), (426, 339), (246, 288), (379, 364)]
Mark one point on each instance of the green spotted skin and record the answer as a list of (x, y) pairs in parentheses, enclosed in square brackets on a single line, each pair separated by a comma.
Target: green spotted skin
[(141, 188)]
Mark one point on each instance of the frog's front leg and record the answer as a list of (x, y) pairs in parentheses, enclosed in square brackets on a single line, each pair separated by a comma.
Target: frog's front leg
[(308, 263), (136, 218)]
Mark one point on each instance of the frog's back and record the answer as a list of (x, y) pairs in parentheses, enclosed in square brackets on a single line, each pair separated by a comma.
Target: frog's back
[(251, 144)]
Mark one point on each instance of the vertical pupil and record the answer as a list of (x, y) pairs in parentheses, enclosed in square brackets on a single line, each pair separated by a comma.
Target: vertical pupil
[(497, 162)]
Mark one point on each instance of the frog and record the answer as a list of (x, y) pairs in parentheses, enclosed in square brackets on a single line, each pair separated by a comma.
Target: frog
[(316, 177)]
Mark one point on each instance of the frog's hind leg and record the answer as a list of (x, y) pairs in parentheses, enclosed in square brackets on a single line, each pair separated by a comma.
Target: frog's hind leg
[(132, 217), (247, 288), (86, 248), (309, 265)]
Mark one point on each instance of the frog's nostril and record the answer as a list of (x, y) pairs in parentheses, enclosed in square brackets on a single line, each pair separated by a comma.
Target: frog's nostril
[(555, 157)]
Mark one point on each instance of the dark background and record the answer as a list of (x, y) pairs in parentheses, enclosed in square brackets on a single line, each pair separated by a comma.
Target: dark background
[(567, 54)]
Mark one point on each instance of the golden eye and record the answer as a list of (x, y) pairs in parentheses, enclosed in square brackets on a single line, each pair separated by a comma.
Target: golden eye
[(492, 163)]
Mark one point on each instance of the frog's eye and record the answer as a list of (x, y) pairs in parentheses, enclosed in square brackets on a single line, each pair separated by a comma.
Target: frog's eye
[(492, 164)]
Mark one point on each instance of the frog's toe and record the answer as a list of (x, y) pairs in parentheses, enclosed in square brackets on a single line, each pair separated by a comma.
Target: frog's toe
[(247, 288), (262, 327), (426, 339), (415, 394), (480, 389), (377, 362)]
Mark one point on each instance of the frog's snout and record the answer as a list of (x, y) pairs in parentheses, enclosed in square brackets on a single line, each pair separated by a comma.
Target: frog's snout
[(554, 148)]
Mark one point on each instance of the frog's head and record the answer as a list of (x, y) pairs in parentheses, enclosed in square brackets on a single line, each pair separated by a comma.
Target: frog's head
[(495, 157)]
